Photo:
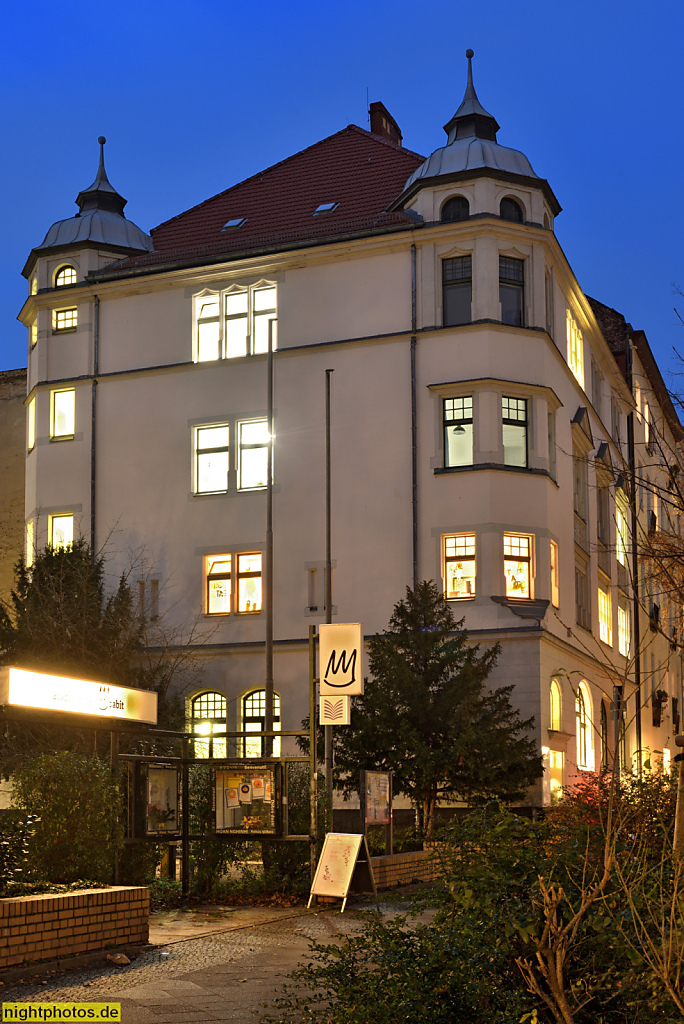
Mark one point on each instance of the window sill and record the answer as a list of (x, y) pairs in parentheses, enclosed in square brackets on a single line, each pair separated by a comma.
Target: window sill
[(525, 607), (64, 330), (446, 470), (460, 600), (62, 437)]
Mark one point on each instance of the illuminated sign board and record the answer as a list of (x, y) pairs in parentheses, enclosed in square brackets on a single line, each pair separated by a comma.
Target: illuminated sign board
[(20, 688), (341, 652)]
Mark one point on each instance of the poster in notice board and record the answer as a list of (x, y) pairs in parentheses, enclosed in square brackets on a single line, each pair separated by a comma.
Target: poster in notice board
[(344, 860)]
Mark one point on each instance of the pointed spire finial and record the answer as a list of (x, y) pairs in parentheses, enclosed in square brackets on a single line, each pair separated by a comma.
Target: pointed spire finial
[(471, 118), (101, 195)]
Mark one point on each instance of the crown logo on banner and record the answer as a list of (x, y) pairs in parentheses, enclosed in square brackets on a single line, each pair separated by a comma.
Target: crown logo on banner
[(341, 672)]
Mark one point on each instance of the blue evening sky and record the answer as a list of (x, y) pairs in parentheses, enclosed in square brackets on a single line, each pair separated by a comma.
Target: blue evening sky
[(195, 97)]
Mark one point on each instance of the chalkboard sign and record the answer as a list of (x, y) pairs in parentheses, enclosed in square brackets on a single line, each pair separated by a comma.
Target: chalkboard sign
[(344, 864)]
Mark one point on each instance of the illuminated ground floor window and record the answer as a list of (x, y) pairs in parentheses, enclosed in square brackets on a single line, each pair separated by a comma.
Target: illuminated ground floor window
[(208, 716), (254, 720)]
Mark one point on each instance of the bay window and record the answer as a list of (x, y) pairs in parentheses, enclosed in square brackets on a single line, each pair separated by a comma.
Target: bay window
[(63, 413), (514, 424), (459, 566), (518, 565), (458, 431)]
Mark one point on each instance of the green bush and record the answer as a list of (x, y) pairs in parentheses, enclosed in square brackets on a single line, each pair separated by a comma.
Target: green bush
[(16, 832), (77, 801)]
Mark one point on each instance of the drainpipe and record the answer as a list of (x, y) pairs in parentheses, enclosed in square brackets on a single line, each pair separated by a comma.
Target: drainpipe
[(631, 455), (93, 400), (414, 425)]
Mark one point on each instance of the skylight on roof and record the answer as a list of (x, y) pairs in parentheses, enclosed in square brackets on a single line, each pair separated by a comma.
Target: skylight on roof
[(326, 208), (235, 222)]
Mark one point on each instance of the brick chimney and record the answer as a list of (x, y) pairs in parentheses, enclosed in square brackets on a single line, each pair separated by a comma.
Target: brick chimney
[(382, 123)]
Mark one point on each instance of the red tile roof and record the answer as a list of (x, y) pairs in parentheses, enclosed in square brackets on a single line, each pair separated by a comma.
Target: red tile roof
[(354, 168)]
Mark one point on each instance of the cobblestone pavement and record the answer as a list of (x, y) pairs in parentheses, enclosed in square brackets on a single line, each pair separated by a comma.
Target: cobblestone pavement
[(229, 976)]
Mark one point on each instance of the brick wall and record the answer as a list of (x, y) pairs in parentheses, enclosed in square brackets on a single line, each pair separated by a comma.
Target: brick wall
[(404, 868), (36, 928)]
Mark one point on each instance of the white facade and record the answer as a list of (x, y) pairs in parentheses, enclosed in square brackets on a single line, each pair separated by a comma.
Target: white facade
[(536, 406)]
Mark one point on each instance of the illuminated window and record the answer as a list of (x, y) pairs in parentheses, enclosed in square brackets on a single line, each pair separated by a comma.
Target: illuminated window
[(517, 565), (509, 209), (456, 208), (30, 552), (218, 576), (234, 323), (512, 290), (254, 720), (514, 419), (211, 458), (249, 583), (458, 431), (624, 626), (459, 566), (63, 411), (575, 349), (605, 613), (621, 528), (34, 332), (457, 290), (65, 275), (648, 428), (583, 717), (253, 449), (555, 592), (34, 286), (207, 717), (555, 718), (31, 424), (556, 775), (61, 530), (64, 320)]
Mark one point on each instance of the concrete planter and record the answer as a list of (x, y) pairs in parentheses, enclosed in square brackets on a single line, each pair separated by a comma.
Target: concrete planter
[(34, 928)]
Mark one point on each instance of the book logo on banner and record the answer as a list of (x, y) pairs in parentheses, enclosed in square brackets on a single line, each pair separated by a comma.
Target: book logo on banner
[(335, 710), (341, 649)]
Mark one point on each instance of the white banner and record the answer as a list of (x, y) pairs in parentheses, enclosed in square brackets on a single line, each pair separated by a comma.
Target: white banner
[(24, 689)]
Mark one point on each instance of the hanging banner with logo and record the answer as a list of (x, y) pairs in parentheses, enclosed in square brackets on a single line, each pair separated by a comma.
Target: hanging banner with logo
[(341, 659), (335, 710), (22, 688)]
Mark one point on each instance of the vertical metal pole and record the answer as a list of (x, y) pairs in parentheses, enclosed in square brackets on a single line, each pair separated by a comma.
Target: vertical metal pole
[(96, 370), (414, 426), (268, 722), (328, 596), (185, 824), (313, 758)]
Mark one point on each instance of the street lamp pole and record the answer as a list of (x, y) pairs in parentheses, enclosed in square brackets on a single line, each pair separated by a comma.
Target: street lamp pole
[(268, 574), (328, 589)]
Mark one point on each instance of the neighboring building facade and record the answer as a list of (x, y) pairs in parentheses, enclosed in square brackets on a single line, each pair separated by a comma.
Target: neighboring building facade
[(12, 474), (481, 423)]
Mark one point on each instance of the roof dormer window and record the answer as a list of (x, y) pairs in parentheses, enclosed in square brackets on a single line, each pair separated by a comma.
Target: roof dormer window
[(456, 208), (64, 276), (325, 208), (235, 222), (510, 209)]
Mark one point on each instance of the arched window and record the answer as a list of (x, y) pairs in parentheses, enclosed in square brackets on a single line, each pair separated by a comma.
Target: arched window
[(254, 720), (510, 209), (605, 753), (583, 716), (456, 208), (555, 719), (208, 716), (65, 275)]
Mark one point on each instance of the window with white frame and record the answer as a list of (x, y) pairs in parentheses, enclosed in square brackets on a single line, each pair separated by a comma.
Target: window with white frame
[(603, 514), (64, 320), (580, 483), (624, 626), (458, 431), (234, 322), (582, 602), (253, 449), (64, 276), (556, 775), (212, 458), (31, 424), (575, 349), (233, 583), (605, 613), (514, 428), (518, 565), (457, 290), (555, 707), (512, 290), (615, 419), (254, 720), (459, 566), (648, 428), (207, 717), (34, 332), (583, 719), (61, 530), (555, 589), (62, 413)]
